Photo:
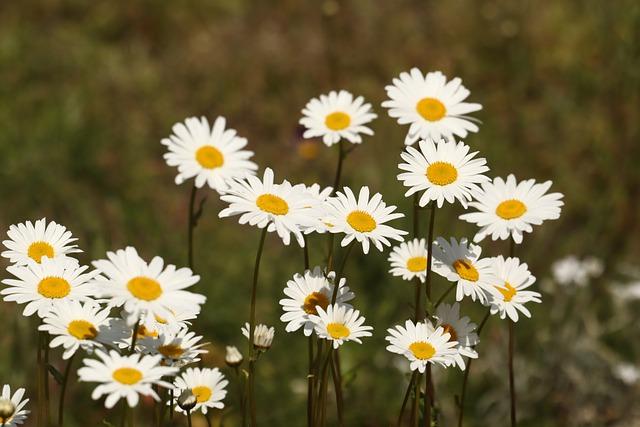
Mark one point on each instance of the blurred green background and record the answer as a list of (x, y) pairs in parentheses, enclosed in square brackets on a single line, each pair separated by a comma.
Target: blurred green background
[(88, 90)]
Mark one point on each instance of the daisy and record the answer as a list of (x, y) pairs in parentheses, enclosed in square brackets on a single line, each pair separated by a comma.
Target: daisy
[(207, 385), (461, 329), (443, 171), (507, 208), (18, 415), (509, 295), (262, 335), (28, 241), (306, 293), (320, 196), (362, 219), (421, 344), (340, 324), (212, 155), (409, 260), (233, 358), (74, 325), (177, 349), (146, 289), (42, 285), (431, 105), (125, 376), (461, 263), (283, 208), (336, 116)]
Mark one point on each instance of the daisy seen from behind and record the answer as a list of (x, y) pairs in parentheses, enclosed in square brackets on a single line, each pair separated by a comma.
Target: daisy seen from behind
[(33, 241), (363, 218), (510, 292), (433, 107), (207, 385), (409, 260), (19, 415), (176, 348), (340, 324), (320, 196), (125, 377), (507, 208), (443, 170), (212, 155), (262, 335), (461, 329), (336, 116)]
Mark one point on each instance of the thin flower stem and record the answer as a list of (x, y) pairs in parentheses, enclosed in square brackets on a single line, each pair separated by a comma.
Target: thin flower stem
[(125, 411), (340, 272), (191, 225), (134, 337), (512, 389), (63, 389), (206, 417), (306, 252), (415, 418), (429, 392), (189, 417), (430, 258), (322, 406), (416, 232), (338, 388), (252, 327), (46, 378), (41, 374), (341, 155), (310, 386), (406, 398)]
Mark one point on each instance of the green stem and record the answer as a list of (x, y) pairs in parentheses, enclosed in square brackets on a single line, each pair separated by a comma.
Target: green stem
[(429, 392), (310, 386), (321, 407), (337, 383), (415, 418), (46, 378), (406, 398), (340, 272), (188, 417), (134, 337), (341, 156), (416, 224), (63, 390), (191, 225), (41, 374), (512, 389)]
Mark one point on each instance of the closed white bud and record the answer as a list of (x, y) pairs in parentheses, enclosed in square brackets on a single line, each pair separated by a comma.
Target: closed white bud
[(233, 357), (262, 336)]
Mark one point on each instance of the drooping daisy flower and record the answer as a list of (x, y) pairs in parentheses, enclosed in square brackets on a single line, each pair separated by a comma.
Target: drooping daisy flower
[(362, 219), (421, 344), (509, 295), (340, 324), (74, 325), (443, 171), (336, 116), (18, 415), (207, 385), (431, 105), (177, 349), (283, 208), (507, 208), (125, 377), (461, 330), (320, 196), (306, 293), (461, 263), (29, 241), (212, 155), (42, 285), (262, 335), (146, 289), (409, 260)]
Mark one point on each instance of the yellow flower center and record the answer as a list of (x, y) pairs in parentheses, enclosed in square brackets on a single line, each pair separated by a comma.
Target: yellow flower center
[(209, 157), (431, 109), (337, 120), (441, 173), (202, 393), (313, 300), (511, 209), (272, 204), (338, 330), (144, 332), (82, 329), (171, 351), (466, 270), (361, 221), (422, 350), (54, 287), (127, 376), (144, 288), (448, 329), (417, 264), (508, 292), (39, 249)]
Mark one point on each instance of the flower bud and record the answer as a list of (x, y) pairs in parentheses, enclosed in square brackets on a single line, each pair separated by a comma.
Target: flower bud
[(233, 358), (187, 400)]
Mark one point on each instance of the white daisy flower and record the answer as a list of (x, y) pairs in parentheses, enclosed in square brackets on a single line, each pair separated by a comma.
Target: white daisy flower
[(42, 285), (461, 330), (431, 105), (421, 344), (507, 208), (29, 241), (233, 358), (87, 326), (336, 116), (509, 295), (571, 270), (212, 155), (19, 414), (146, 289), (340, 324), (320, 196), (306, 293), (461, 263), (207, 385), (362, 219), (125, 377), (442, 171), (409, 260), (283, 208), (177, 349), (262, 335)]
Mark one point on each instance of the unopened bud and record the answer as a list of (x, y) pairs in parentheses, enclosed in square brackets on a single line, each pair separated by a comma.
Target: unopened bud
[(233, 357), (187, 400)]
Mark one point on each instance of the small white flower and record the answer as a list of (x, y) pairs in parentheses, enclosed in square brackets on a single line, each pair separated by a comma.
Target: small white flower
[(233, 357), (207, 385), (262, 335), (461, 330), (570, 270), (340, 324), (320, 196), (628, 373), (409, 260), (19, 415), (508, 294), (177, 349)]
